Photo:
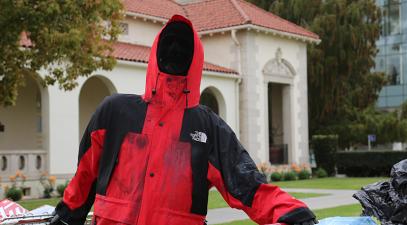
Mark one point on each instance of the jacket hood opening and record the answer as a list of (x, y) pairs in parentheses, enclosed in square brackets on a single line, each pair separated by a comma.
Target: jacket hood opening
[(175, 48)]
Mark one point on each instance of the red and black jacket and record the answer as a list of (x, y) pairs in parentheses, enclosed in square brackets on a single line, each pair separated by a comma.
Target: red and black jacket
[(152, 159)]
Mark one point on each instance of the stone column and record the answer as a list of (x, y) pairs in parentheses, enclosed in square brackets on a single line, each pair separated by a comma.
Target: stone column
[(63, 130), (288, 121), (251, 94)]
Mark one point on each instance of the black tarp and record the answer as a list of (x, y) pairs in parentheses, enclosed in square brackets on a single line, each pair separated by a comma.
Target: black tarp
[(387, 200)]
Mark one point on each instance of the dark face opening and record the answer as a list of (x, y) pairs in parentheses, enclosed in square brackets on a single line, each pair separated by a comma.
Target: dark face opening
[(175, 49)]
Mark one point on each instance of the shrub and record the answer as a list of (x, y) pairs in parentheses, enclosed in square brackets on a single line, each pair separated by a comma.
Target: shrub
[(304, 174), (290, 176), (321, 173), (325, 147), (61, 188), (368, 163), (48, 183), (276, 176), (14, 194)]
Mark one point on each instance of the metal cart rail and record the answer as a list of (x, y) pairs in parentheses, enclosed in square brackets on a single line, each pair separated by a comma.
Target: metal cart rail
[(34, 220)]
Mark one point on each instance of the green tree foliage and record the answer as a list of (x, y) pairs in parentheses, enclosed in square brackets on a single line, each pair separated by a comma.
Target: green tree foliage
[(301, 12), (68, 39), (340, 79), (354, 129)]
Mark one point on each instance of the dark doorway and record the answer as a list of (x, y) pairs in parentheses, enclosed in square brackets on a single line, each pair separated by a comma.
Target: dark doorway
[(278, 150), (209, 99)]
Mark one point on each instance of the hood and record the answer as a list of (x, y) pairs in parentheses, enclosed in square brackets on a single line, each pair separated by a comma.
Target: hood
[(189, 74)]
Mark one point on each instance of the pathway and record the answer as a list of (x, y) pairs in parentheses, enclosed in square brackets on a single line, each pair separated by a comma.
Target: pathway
[(335, 198)]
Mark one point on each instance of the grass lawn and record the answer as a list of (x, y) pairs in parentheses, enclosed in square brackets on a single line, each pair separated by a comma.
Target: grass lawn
[(347, 210), (301, 195), (352, 183), (35, 203), (216, 200)]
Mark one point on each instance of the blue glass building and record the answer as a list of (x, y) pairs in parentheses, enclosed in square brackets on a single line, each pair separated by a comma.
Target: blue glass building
[(392, 55)]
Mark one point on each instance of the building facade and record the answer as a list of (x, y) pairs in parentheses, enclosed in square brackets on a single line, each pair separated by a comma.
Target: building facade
[(392, 56), (255, 78)]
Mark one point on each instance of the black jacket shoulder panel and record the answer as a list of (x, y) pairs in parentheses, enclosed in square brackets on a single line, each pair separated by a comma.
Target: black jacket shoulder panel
[(121, 114), (116, 109)]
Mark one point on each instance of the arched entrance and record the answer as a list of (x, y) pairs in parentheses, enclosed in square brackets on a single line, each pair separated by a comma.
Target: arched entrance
[(24, 133), (93, 91), (213, 98)]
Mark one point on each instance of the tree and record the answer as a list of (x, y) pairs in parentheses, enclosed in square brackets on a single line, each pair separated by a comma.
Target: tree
[(65, 39), (340, 79), (353, 131)]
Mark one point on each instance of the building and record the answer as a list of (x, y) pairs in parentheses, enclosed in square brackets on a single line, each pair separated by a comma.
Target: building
[(392, 55), (255, 78)]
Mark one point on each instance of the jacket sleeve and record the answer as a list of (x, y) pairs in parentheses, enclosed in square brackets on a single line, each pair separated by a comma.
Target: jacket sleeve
[(80, 193), (237, 178)]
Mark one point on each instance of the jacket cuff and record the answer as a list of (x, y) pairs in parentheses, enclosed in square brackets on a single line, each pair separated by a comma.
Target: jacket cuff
[(297, 215)]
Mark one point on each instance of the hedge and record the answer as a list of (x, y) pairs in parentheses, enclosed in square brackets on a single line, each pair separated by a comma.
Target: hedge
[(325, 147), (368, 163)]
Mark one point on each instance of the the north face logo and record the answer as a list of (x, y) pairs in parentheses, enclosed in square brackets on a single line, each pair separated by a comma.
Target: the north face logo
[(199, 136)]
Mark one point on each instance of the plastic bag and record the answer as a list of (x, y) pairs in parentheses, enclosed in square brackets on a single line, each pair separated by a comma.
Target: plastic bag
[(387, 200), (347, 221)]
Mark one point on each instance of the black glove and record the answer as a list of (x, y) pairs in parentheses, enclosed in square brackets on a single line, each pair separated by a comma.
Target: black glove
[(310, 222), (299, 216), (56, 220)]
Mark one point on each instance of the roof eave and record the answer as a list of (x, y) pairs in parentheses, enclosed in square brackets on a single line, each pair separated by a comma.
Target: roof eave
[(248, 26), (146, 17), (144, 64), (266, 30)]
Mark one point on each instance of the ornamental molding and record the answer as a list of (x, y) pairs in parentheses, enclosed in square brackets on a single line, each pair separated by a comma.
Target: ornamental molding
[(278, 66)]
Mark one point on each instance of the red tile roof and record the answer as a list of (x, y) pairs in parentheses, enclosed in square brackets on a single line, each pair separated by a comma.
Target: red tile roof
[(138, 53), (216, 14), (131, 52), (158, 8)]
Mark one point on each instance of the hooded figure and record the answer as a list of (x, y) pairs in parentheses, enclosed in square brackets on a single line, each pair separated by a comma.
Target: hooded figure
[(151, 159)]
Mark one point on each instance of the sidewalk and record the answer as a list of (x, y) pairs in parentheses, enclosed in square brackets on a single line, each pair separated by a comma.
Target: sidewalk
[(335, 198)]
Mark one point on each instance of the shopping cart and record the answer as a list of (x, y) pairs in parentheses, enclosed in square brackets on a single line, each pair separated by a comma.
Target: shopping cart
[(35, 220)]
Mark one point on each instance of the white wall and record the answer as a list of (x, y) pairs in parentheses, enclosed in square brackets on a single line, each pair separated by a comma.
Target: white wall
[(226, 86), (140, 32), (221, 50)]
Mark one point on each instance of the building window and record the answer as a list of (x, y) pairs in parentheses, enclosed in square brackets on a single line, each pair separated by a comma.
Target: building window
[(21, 163), (124, 27), (389, 61), (391, 24), (394, 69), (3, 163), (38, 162)]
